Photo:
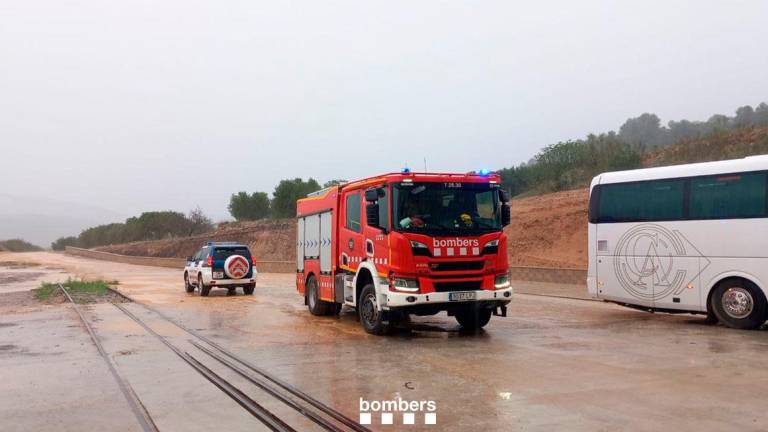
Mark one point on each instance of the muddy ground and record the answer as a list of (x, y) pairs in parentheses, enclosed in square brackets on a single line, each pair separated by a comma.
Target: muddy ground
[(553, 364)]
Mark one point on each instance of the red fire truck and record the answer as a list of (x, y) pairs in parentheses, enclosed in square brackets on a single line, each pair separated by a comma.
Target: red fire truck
[(406, 243)]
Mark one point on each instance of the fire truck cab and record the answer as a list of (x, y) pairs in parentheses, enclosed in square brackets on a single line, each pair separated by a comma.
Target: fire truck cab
[(406, 243)]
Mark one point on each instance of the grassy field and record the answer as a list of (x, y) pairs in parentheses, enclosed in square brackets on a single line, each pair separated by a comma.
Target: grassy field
[(80, 290)]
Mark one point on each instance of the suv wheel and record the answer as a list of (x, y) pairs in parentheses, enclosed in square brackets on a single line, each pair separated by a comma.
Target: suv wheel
[(248, 289), (188, 287), (204, 290), (473, 318), (370, 315)]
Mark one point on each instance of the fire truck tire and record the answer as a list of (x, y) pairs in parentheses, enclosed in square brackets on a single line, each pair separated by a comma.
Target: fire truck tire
[(473, 319), (314, 304), (204, 290), (371, 318), (248, 289)]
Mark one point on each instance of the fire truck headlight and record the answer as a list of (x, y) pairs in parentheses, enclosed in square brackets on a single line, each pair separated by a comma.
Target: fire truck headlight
[(419, 248), (502, 281), (492, 247), (405, 284)]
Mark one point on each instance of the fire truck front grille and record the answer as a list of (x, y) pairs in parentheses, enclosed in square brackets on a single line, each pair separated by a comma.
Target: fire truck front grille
[(457, 286), (457, 266)]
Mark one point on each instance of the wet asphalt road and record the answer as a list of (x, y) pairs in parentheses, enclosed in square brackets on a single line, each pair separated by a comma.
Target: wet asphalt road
[(552, 364)]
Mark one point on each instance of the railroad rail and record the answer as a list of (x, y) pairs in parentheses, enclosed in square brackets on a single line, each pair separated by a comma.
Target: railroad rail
[(138, 409), (327, 418)]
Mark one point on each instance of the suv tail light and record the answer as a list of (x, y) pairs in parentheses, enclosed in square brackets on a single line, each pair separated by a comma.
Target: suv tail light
[(209, 262), (253, 260)]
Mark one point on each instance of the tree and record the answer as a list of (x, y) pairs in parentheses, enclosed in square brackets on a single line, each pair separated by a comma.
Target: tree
[(761, 114), (62, 243), (644, 130), (198, 222), (243, 206), (745, 116), (330, 183), (287, 193)]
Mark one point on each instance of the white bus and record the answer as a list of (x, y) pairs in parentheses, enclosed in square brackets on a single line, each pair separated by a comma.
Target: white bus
[(688, 238)]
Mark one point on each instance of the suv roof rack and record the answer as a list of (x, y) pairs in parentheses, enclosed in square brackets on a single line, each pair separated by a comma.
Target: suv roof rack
[(230, 243)]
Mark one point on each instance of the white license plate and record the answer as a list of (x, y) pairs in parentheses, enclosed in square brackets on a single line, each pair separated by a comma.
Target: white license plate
[(218, 275), (462, 296)]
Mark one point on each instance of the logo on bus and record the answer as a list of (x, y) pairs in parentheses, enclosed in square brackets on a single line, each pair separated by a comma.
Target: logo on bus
[(648, 262)]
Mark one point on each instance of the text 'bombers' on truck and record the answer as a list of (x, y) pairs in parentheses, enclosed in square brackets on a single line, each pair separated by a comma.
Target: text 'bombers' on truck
[(406, 243)]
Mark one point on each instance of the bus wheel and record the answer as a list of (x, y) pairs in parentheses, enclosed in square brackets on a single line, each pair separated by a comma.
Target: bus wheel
[(473, 318), (738, 303), (370, 315), (314, 304)]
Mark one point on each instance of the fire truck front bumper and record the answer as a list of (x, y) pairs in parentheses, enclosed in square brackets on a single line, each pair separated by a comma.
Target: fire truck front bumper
[(446, 300)]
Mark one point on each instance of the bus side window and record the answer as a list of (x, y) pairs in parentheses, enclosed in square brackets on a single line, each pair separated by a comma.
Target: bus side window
[(728, 196)]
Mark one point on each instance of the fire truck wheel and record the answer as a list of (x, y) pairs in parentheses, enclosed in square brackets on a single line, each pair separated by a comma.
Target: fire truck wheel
[(204, 290), (188, 286), (314, 304), (371, 318), (248, 289), (473, 318)]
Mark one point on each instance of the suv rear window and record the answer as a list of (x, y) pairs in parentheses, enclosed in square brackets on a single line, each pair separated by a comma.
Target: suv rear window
[(224, 253)]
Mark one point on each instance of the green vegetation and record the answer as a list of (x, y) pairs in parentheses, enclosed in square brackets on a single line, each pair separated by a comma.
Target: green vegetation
[(287, 192), (641, 141), (243, 206), (46, 291), (18, 245), (148, 226), (257, 205), (81, 291)]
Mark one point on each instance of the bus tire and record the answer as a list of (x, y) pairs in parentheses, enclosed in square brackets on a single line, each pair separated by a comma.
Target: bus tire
[(316, 306), (473, 318), (370, 316), (739, 303)]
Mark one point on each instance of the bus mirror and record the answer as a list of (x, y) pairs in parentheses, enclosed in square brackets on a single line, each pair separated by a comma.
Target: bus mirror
[(372, 214), (372, 195), (506, 214), (503, 196)]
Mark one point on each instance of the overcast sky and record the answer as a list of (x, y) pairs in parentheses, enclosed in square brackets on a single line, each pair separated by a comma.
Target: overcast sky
[(145, 105)]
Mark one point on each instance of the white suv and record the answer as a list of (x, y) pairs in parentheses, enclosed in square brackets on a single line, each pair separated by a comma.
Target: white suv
[(225, 265)]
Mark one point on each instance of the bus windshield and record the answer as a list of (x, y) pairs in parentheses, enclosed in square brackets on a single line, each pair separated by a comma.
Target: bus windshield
[(446, 208)]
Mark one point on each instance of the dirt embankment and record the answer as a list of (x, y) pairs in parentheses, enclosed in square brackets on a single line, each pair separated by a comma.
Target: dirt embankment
[(271, 240), (548, 230)]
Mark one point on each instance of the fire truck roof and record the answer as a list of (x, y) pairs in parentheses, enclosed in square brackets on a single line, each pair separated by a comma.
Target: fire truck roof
[(399, 177)]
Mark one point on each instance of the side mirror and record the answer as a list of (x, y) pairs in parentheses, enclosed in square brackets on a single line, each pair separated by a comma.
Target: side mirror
[(372, 214), (506, 214), (372, 195), (503, 196)]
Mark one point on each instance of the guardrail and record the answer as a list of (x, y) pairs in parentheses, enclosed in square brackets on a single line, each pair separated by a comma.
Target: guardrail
[(534, 274), (177, 263), (569, 276)]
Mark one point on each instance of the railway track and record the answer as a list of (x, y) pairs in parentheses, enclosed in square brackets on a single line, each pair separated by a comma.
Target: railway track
[(249, 376)]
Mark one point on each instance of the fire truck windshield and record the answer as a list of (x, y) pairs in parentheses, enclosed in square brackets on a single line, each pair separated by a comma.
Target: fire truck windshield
[(446, 208)]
